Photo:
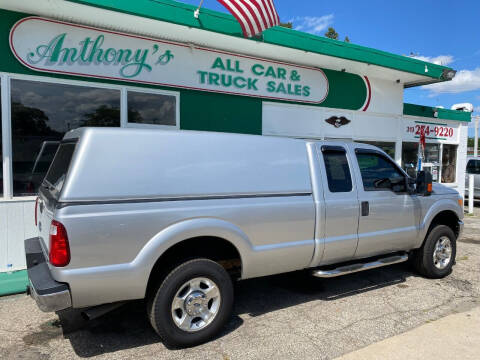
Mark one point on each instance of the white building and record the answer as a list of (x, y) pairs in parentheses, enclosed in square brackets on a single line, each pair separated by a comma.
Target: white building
[(66, 64)]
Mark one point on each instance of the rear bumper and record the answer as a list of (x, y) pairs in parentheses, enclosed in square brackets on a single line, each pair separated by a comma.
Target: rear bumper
[(50, 295)]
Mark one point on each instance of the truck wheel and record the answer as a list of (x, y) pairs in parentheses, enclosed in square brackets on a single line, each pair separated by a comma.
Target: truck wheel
[(192, 304), (437, 255)]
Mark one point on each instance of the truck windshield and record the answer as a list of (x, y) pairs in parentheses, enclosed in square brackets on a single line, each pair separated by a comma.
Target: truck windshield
[(58, 170)]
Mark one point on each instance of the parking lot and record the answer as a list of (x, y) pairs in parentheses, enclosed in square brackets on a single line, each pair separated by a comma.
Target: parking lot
[(291, 316)]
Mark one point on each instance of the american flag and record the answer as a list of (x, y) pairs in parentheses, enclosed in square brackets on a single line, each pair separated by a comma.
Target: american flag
[(254, 16)]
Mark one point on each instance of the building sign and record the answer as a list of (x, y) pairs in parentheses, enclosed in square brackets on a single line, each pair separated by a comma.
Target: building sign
[(58, 47), (433, 131)]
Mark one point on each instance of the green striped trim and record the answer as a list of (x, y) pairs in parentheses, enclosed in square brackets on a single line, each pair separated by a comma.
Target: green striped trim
[(13, 283), (443, 114), (182, 14)]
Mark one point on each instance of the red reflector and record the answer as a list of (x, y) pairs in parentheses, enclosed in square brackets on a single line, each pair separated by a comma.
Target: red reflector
[(59, 247), (429, 187), (36, 216)]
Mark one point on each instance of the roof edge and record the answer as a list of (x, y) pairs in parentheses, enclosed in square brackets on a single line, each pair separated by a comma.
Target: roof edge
[(214, 21), (429, 112)]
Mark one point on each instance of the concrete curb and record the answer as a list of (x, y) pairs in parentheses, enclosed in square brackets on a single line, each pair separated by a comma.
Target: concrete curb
[(456, 336)]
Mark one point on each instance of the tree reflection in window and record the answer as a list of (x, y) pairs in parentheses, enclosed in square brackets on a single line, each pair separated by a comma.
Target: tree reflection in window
[(42, 113)]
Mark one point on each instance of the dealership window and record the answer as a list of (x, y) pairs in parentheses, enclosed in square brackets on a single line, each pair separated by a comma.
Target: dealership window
[(388, 147), (449, 163), (151, 108), (443, 168), (410, 158), (432, 160), (42, 113)]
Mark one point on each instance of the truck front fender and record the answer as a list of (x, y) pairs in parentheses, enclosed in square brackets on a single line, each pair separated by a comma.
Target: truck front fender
[(438, 207)]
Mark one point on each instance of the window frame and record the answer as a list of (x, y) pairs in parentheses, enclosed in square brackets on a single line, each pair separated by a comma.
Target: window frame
[(360, 150), (6, 78), (152, 92)]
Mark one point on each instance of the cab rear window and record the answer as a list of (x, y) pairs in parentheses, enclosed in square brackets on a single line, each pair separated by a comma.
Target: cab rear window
[(58, 170)]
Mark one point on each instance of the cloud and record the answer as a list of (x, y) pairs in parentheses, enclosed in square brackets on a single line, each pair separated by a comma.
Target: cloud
[(465, 80), (312, 24), (439, 60)]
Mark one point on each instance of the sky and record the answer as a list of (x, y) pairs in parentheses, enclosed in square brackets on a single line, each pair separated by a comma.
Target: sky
[(442, 31)]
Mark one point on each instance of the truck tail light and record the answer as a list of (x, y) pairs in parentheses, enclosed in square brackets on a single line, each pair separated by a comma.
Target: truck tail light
[(59, 248), (36, 211)]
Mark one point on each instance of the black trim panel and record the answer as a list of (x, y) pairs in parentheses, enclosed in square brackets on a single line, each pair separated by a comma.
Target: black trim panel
[(333, 148), (184, 198), (38, 272)]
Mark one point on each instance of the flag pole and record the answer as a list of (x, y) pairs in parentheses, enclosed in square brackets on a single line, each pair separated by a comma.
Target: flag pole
[(197, 12)]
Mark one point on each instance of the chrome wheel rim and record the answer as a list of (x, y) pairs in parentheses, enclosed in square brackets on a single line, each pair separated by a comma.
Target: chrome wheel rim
[(442, 253), (196, 304)]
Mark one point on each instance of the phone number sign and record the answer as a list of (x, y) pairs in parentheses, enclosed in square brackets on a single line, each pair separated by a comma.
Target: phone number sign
[(433, 131)]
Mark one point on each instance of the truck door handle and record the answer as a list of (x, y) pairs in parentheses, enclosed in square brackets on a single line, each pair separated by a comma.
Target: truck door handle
[(365, 208)]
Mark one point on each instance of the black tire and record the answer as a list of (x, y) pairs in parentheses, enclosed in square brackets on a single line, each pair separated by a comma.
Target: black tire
[(159, 305), (423, 258)]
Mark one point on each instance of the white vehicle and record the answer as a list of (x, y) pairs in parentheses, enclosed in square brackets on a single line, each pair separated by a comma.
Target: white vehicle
[(473, 168)]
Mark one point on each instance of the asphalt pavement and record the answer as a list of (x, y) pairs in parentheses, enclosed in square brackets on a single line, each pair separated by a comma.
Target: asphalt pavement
[(291, 316)]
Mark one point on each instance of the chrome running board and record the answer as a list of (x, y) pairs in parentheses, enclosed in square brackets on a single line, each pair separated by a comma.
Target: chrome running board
[(353, 268)]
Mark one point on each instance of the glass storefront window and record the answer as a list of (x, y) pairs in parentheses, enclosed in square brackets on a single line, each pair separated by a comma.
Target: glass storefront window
[(410, 158), (432, 160), (152, 109), (42, 113), (388, 147), (449, 163)]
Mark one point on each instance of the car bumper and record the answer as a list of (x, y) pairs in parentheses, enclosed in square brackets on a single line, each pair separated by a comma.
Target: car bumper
[(50, 295)]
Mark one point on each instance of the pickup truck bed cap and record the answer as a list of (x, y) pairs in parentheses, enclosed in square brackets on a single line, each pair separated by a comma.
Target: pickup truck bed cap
[(112, 164)]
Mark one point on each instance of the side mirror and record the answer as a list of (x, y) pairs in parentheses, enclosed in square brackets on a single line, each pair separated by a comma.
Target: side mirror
[(424, 183), (411, 184)]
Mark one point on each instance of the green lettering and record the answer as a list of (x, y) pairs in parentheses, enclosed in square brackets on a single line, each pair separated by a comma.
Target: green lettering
[(69, 55), (51, 51), (218, 64), (270, 72), (271, 86), (203, 75), (224, 80), (138, 65), (257, 69), (85, 43), (252, 84), (110, 55), (213, 79), (123, 56), (306, 91), (282, 73), (237, 80), (96, 49), (237, 67), (298, 90), (281, 88)]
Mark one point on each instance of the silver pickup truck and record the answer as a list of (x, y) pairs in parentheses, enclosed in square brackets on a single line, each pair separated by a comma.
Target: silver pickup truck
[(175, 217)]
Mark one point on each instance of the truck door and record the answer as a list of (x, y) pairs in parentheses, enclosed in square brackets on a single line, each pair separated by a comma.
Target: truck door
[(341, 204), (389, 214)]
